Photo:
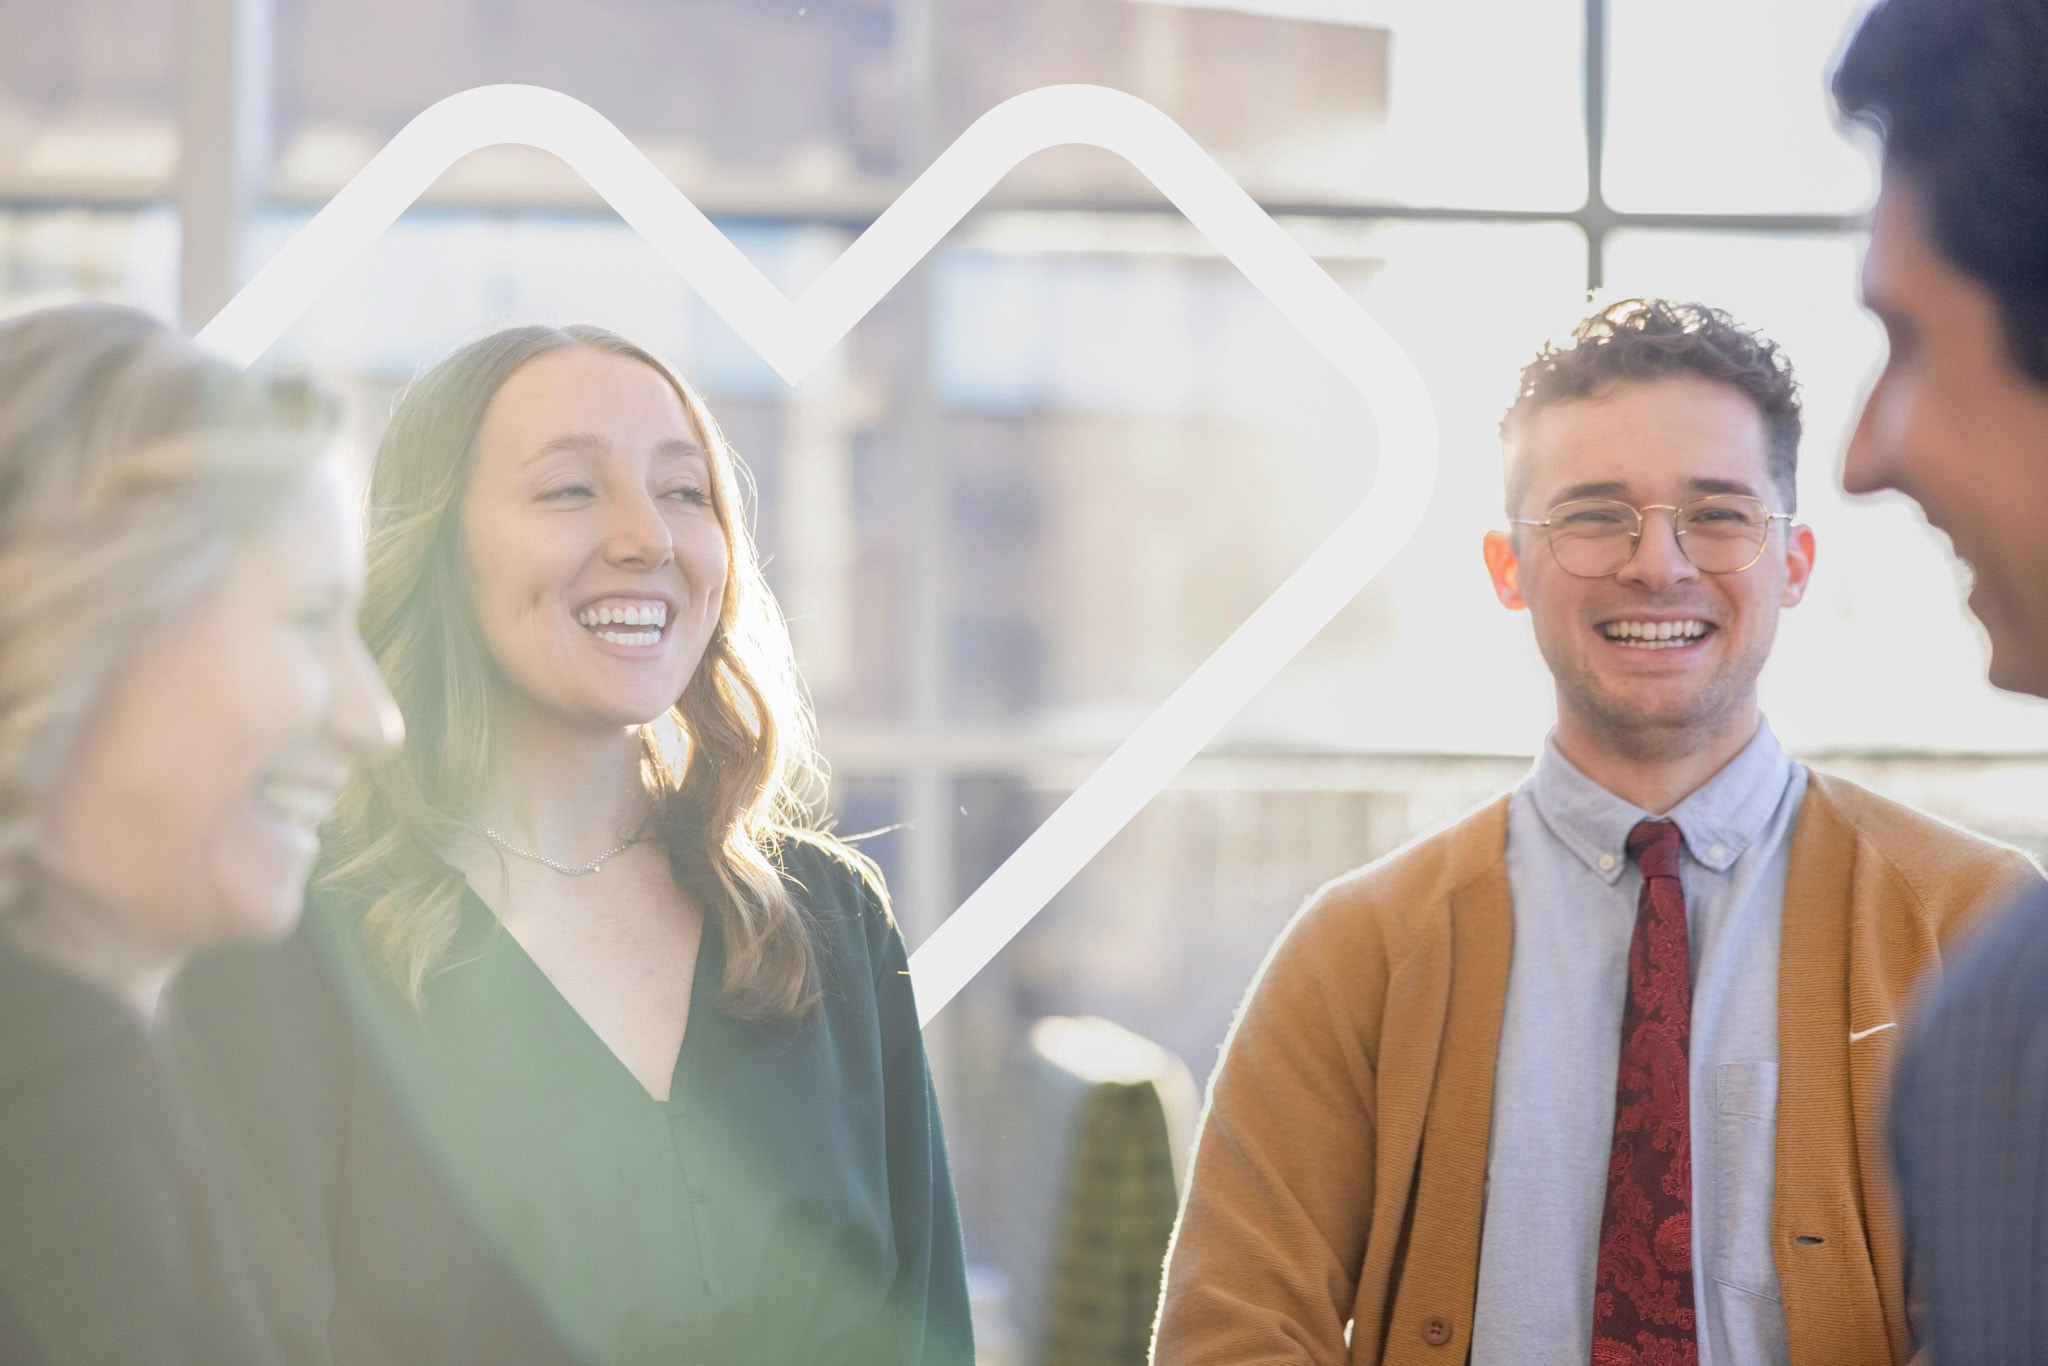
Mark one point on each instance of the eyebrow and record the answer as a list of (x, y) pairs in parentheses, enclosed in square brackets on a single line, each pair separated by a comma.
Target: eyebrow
[(570, 443), (1614, 488), (591, 443), (1606, 488), (679, 448), (1720, 486)]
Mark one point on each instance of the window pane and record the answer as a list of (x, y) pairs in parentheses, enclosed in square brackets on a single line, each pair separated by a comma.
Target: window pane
[(88, 98), (730, 98), (1724, 108), (1145, 449), (1344, 100), (1882, 654), (63, 255)]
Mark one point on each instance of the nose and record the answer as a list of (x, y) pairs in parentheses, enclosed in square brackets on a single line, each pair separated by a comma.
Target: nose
[(363, 718), (638, 536), (1658, 562), (1867, 467)]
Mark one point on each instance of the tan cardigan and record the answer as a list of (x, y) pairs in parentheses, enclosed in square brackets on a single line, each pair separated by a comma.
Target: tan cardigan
[(1358, 1082)]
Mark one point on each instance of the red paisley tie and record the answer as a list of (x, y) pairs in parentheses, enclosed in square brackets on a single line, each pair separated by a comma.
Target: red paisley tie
[(1642, 1292)]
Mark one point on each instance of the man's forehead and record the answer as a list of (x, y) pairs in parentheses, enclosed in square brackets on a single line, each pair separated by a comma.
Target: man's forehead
[(1647, 457), (1655, 429), (1629, 489)]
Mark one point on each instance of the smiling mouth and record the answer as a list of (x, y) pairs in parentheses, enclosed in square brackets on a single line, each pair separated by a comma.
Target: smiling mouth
[(1656, 635), (633, 624), (303, 802)]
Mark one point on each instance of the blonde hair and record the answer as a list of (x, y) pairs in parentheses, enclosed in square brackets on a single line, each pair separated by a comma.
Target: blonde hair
[(751, 776), (132, 465)]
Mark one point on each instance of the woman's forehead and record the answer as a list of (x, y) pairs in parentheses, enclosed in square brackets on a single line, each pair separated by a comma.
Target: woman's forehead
[(589, 402)]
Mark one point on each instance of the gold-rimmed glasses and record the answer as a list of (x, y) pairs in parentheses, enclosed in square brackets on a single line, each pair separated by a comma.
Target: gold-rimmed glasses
[(1720, 533)]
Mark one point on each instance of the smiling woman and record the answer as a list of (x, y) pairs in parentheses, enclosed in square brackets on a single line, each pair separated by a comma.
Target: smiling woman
[(181, 693), (683, 1105)]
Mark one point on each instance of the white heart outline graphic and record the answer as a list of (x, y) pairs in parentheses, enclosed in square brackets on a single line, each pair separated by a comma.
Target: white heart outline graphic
[(791, 336)]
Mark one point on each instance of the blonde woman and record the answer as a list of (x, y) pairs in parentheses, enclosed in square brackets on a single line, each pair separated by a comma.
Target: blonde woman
[(629, 1031), (181, 693)]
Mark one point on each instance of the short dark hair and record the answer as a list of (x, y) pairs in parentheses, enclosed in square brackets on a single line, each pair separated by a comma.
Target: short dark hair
[(1958, 90), (1651, 339)]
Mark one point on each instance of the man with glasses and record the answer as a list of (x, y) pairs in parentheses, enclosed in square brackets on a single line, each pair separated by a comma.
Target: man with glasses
[(1597, 1073), (1957, 272)]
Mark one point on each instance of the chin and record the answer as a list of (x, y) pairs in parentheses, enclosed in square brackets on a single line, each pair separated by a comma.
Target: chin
[(261, 904), (637, 711), (2017, 669), (2019, 652)]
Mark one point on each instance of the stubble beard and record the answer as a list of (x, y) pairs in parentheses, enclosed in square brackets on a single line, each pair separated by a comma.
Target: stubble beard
[(1645, 730), (2016, 621)]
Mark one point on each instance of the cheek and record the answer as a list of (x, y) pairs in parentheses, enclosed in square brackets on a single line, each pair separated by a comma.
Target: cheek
[(266, 698), (703, 557), (517, 575), (1552, 597), (141, 791), (1933, 419), (157, 803), (258, 869), (1753, 598), (516, 560)]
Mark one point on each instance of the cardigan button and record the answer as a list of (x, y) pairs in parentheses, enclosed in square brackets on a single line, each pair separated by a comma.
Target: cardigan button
[(1436, 1331)]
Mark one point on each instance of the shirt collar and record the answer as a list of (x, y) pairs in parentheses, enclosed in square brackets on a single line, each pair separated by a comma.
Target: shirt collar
[(1718, 821)]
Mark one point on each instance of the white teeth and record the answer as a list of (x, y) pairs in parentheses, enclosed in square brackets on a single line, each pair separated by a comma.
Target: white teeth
[(630, 637), (1655, 634), (303, 804), (653, 614)]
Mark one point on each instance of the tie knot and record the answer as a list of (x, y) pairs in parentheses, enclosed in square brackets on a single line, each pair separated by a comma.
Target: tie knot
[(1654, 846)]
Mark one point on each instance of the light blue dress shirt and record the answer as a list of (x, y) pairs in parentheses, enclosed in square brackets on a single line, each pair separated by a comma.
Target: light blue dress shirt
[(1575, 892)]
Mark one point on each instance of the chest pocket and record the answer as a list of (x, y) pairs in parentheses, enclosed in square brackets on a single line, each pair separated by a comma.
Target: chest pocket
[(1745, 1151)]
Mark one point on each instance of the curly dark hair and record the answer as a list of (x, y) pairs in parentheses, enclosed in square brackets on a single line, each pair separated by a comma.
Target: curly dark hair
[(1651, 339), (1955, 89)]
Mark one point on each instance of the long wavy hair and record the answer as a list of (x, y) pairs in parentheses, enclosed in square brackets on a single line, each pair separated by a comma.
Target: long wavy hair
[(745, 778), (133, 465)]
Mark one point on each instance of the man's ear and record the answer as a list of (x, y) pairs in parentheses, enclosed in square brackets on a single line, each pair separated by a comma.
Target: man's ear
[(1505, 568), (1798, 563)]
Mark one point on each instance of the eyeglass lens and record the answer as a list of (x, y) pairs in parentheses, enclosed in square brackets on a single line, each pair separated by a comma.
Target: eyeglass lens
[(1719, 534)]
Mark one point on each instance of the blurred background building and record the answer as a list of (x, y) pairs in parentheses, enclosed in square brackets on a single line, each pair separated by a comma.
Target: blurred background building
[(1056, 466)]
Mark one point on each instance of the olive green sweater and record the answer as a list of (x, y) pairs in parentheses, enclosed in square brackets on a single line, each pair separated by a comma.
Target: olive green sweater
[(1338, 1177)]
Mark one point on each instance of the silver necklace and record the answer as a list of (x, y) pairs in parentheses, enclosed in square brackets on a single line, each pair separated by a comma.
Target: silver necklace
[(564, 869)]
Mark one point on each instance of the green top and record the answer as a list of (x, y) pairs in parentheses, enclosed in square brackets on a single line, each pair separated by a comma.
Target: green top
[(790, 1202)]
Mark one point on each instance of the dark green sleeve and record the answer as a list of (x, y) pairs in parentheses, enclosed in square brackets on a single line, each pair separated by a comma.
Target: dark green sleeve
[(928, 1317)]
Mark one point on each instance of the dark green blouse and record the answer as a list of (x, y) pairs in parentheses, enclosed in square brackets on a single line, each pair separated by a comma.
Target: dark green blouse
[(124, 1233), (790, 1202)]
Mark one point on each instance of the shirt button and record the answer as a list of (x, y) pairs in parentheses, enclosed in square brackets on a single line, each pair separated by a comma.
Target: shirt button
[(1716, 853), (1436, 1332), (1607, 862)]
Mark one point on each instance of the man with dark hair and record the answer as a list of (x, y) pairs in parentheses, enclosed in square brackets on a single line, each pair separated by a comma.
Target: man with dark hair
[(1958, 273), (1595, 1074)]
